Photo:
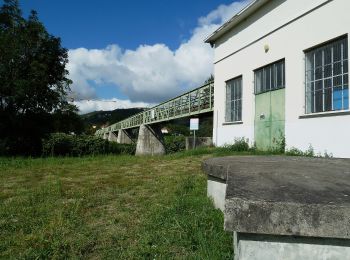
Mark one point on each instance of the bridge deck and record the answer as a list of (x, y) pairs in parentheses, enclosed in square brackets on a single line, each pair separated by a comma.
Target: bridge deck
[(197, 101)]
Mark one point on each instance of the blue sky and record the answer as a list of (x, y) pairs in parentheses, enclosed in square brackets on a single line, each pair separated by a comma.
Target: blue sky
[(95, 24), (135, 53)]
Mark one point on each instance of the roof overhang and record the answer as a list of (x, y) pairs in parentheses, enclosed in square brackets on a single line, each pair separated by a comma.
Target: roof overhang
[(235, 20)]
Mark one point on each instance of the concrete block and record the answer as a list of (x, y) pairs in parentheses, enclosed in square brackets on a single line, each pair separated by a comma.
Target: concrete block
[(267, 247), (284, 207), (150, 141), (217, 191)]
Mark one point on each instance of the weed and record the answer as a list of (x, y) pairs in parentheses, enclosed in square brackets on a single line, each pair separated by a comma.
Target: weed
[(297, 152), (239, 145)]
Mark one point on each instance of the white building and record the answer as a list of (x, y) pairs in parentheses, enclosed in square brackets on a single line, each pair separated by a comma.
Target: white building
[(281, 71)]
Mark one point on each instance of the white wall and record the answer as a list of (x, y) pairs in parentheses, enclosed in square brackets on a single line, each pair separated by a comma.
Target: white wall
[(331, 134)]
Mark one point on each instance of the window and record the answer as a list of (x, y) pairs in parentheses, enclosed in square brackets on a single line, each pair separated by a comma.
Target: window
[(270, 77), (327, 83), (234, 100)]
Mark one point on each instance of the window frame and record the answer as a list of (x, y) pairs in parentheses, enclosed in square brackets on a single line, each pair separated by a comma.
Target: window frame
[(273, 66), (232, 101), (310, 79)]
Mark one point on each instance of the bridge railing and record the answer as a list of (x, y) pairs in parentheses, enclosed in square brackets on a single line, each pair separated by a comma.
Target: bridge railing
[(197, 101)]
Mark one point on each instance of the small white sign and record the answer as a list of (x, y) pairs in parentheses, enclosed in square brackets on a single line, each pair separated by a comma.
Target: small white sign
[(194, 123)]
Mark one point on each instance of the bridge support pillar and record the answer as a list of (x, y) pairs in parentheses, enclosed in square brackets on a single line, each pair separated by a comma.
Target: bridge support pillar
[(112, 137), (124, 137), (150, 141), (105, 136)]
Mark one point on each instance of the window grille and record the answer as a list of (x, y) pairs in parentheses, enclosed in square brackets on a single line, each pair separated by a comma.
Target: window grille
[(270, 77), (234, 100), (327, 82)]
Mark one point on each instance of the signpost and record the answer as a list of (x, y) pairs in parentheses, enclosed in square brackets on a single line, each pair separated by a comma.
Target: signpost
[(194, 125)]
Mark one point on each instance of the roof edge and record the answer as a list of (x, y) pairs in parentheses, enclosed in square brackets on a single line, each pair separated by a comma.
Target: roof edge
[(235, 20)]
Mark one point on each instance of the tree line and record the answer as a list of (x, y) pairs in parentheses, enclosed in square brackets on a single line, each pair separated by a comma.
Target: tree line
[(34, 84)]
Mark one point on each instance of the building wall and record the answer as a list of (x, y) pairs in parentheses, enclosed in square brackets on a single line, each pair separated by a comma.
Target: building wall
[(297, 27)]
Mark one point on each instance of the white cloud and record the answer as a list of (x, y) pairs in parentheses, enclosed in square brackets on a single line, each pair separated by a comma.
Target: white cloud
[(151, 73), (87, 106), (223, 13)]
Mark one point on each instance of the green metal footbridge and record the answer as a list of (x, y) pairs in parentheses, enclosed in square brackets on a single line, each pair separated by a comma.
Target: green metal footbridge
[(197, 101)]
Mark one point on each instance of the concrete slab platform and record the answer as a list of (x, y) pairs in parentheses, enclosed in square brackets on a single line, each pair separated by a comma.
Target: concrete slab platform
[(281, 195)]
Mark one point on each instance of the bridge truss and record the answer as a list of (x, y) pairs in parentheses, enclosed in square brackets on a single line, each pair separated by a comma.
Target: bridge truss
[(197, 101)]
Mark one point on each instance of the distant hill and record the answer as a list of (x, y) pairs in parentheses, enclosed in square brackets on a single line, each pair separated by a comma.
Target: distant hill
[(99, 118)]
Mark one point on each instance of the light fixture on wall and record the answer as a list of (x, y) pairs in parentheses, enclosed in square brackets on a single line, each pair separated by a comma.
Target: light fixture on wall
[(266, 48)]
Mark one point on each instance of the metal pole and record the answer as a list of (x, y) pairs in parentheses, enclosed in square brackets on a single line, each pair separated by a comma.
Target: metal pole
[(194, 139)]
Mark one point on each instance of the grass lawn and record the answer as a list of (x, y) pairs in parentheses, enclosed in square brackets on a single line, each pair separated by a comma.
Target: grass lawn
[(119, 207)]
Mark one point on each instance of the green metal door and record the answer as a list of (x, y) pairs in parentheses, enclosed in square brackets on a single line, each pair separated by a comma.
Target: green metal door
[(269, 119)]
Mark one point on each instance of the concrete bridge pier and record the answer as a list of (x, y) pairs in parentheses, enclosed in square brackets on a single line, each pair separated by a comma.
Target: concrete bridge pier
[(150, 141), (105, 136), (112, 137), (124, 137)]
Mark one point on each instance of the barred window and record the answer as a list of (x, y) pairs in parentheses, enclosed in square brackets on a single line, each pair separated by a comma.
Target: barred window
[(270, 77), (327, 82), (234, 100)]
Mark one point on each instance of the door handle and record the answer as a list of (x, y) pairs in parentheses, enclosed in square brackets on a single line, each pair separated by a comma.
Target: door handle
[(262, 116)]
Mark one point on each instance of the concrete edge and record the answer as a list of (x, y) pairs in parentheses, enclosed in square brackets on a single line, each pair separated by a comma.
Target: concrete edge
[(219, 172), (286, 218)]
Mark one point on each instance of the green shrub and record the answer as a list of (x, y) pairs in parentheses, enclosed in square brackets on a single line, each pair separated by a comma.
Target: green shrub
[(297, 152), (294, 152), (116, 148), (310, 151), (239, 145), (89, 145), (174, 144), (60, 144)]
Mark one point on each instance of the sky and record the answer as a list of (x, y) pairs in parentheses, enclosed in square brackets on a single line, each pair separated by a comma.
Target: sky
[(133, 53)]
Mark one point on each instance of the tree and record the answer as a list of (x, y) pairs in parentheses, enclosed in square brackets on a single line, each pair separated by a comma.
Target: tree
[(66, 120), (33, 78), (210, 79)]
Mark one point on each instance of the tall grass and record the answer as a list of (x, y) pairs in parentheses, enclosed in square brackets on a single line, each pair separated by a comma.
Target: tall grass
[(109, 207)]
